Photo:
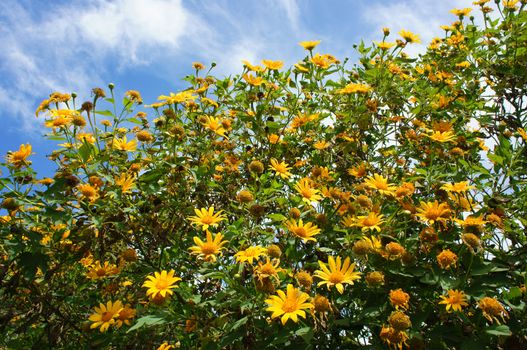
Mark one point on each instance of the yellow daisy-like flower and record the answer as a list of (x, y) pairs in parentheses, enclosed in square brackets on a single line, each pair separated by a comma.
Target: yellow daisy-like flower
[(301, 68), (393, 338), (88, 191), (309, 45), (105, 315), (380, 183), (370, 222), (250, 254), (304, 231), (122, 144), (165, 346), (126, 182), (309, 194), (492, 309), (409, 36), (433, 211), (399, 298), (337, 274), (252, 67), (19, 158), (269, 269), (273, 65), (455, 300), (290, 305), (355, 88), (461, 12), (383, 45), (321, 61), (442, 137), (180, 97), (161, 284), (446, 259), (206, 218), (125, 316), (210, 248), (471, 221), (252, 80), (458, 187), (214, 124), (281, 168), (98, 271)]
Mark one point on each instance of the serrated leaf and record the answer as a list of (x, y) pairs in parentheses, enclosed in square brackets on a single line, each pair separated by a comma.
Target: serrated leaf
[(146, 321)]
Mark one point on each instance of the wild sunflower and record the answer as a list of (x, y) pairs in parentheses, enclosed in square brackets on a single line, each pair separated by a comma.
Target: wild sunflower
[(273, 65), (125, 316), (206, 218), (98, 271), (399, 298), (88, 191), (215, 125), (370, 222), (457, 187), (309, 45), (337, 274), (431, 212), (409, 36), (105, 315), (122, 144), (492, 309), (19, 158), (281, 169), (210, 248), (442, 137), (126, 182), (161, 284), (309, 194), (303, 231), (250, 254), (269, 269), (455, 300), (288, 305), (380, 183), (180, 97)]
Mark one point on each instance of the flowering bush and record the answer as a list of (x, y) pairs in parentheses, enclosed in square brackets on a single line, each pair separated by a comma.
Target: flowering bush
[(378, 205)]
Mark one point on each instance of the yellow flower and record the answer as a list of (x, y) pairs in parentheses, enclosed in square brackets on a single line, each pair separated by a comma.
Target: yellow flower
[(461, 12), (273, 138), (98, 271), (252, 80), (273, 65), (180, 97), (442, 137), (433, 211), (134, 96), (337, 274), (522, 133), (161, 284), (125, 315), (320, 145), (126, 182), (280, 168), (355, 88), (399, 298), (252, 67), (370, 222), (458, 187), (394, 338), (455, 300), (446, 259), (309, 194), (492, 309), (309, 45), (88, 191), (320, 61), (304, 231), (290, 305), (409, 36), (383, 45), (122, 144), (380, 183), (269, 269), (210, 248), (165, 346), (301, 68), (510, 4), (214, 124), (19, 158), (105, 315), (206, 218), (250, 254), (471, 221), (358, 170)]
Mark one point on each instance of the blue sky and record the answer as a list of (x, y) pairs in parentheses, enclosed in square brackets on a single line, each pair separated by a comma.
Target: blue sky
[(149, 45)]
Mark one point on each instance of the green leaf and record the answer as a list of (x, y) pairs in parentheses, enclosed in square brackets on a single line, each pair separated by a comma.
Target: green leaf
[(146, 321), (499, 330), (106, 113), (277, 217)]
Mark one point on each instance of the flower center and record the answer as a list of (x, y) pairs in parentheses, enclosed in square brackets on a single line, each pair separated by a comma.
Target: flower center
[(208, 248), (301, 232), (207, 220), (106, 316), (336, 277), (101, 272), (161, 284), (290, 305)]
